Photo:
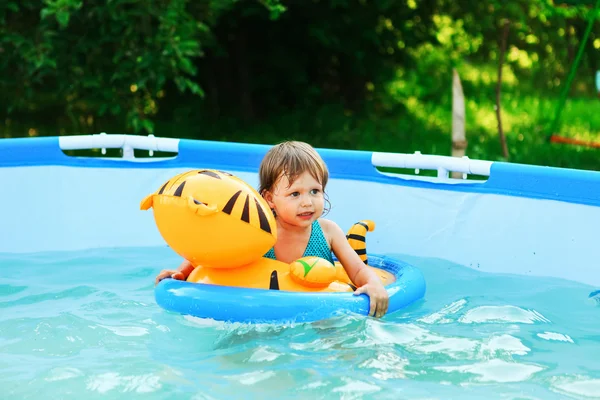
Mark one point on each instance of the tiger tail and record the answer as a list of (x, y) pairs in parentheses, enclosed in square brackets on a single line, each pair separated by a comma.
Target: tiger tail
[(357, 237)]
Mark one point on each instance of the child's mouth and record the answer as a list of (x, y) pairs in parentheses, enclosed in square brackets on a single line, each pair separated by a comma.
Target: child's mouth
[(306, 215)]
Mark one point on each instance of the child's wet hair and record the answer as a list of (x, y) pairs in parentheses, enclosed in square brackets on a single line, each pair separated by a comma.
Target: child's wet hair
[(291, 158)]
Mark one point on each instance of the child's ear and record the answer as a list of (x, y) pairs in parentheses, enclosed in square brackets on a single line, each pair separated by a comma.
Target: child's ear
[(268, 196)]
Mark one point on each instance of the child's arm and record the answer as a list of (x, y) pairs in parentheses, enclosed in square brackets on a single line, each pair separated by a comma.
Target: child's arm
[(184, 270), (363, 277)]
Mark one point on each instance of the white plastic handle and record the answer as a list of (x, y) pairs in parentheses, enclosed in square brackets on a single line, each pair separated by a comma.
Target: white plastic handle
[(128, 143), (443, 164)]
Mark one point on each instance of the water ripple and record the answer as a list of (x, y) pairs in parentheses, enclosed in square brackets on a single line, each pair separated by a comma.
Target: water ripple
[(495, 371), (62, 373), (262, 354), (388, 365), (106, 382), (77, 292), (126, 330), (438, 317), (7, 290), (354, 388), (507, 313), (252, 378), (419, 340), (555, 336), (92, 328), (576, 386)]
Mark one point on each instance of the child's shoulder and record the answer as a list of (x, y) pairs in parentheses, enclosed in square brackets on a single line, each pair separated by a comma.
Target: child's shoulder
[(328, 226), (332, 232)]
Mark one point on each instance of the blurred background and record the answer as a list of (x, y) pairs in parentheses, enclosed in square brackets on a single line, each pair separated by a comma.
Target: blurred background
[(347, 74)]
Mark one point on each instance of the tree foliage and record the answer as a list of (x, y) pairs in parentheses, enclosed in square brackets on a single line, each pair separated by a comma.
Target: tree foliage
[(89, 59), (137, 61)]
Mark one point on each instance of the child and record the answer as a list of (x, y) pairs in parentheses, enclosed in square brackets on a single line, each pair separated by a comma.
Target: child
[(292, 181)]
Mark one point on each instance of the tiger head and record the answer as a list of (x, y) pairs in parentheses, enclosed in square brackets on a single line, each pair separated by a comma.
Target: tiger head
[(213, 218)]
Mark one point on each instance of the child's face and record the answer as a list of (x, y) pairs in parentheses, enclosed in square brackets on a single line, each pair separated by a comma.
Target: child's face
[(298, 204)]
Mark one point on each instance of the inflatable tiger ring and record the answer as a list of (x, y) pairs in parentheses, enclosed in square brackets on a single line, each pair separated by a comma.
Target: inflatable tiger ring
[(224, 227), (220, 223)]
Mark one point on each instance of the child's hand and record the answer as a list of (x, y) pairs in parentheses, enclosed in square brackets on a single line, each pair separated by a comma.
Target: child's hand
[(378, 298), (169, 273), (182, 273)]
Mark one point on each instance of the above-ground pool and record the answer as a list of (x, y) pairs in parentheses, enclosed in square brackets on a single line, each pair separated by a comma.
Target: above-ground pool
[(510, 262)]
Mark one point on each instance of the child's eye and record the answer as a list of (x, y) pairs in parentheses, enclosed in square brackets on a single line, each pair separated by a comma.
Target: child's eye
[(314, 191), (294, 194)]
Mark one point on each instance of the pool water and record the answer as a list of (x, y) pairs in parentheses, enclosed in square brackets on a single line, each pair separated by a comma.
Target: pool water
[(85, 325)]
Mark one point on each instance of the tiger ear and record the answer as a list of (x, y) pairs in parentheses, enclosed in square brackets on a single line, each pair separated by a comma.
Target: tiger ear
[(147, 202)]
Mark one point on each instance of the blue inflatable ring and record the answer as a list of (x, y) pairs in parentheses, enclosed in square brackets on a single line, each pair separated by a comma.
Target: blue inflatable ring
[(248, 305)]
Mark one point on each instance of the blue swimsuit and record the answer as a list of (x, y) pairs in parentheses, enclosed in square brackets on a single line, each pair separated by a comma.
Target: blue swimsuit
[(317, 245)]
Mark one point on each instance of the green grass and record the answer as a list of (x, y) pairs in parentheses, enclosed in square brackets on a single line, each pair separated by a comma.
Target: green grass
[(426, 127)]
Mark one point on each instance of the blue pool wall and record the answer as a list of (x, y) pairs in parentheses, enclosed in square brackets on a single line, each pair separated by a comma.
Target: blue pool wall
[(527, 220)]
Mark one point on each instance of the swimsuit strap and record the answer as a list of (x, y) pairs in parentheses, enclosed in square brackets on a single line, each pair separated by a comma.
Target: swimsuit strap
[(317, 245)]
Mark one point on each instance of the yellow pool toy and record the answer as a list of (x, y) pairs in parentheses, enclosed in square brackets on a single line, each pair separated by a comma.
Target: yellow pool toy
[(224, 227)]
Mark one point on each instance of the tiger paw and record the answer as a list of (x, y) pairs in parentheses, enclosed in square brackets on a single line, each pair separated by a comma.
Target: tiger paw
[(312, 271)]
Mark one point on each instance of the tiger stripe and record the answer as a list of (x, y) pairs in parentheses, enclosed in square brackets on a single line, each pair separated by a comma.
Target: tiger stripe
[(179, 190), (357, 238), (229, 206), (180, 178), (262, 218), (209, 173), (246, 210), (162, 189), (245, 215)]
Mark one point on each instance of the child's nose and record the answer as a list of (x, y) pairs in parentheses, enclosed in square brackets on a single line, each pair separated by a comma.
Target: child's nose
[(306, 201)]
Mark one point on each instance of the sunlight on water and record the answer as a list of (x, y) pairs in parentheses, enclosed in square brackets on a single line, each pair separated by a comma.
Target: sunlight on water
[(577, 386), (85, 325), (502, 314)]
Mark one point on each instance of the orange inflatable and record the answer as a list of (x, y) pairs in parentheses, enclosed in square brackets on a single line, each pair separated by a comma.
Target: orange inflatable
[(224, 227), (213, 219)]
